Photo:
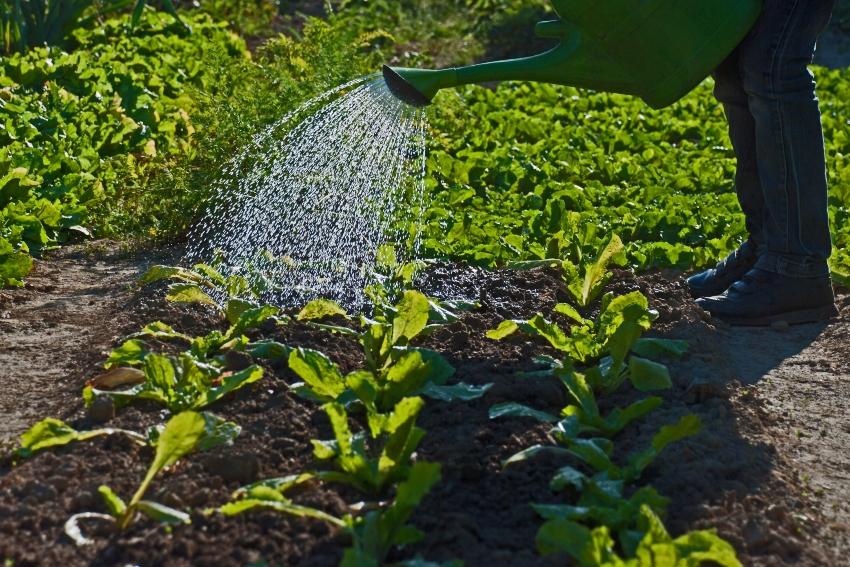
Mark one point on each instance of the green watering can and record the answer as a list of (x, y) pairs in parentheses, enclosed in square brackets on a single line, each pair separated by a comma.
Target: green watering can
[(658, 50)]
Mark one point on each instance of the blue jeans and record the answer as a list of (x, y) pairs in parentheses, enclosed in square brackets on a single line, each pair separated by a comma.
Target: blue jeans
[(769, 97)]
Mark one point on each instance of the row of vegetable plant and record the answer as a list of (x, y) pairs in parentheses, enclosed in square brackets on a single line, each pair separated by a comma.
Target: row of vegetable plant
[(607, 521), (377, 461)]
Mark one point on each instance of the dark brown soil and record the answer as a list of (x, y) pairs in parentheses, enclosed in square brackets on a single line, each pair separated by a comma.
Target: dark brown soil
[(769, 469)]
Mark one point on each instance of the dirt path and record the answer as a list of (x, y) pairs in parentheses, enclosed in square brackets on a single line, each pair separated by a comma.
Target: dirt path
[(75, 305)]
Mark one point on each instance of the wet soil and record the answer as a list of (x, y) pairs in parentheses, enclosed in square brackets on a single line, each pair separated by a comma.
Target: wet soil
[(769, 469)]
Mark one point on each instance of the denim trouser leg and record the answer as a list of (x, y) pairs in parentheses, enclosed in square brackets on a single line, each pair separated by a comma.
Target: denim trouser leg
[(769, 97)]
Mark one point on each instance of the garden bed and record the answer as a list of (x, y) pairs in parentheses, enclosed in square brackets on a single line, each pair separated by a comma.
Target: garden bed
[(738, 475)]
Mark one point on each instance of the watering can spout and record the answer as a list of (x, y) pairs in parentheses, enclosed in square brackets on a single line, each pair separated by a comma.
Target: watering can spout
[(658, 50)]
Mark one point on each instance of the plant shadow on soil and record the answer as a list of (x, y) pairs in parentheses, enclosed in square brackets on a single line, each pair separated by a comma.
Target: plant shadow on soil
[(479, 511)]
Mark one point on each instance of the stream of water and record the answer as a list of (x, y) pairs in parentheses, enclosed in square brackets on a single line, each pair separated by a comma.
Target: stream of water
[(305, 208)]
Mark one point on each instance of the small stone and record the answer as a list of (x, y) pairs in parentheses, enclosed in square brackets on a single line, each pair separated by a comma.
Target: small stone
[(780, 326), (101, 410)]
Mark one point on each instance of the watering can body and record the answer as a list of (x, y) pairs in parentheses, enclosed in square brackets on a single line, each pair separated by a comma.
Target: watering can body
[(658, 50)]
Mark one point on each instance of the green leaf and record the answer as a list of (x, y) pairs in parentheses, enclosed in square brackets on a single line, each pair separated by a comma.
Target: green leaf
[(269, 350), (579, 389), (181, 436), (567, 476), (687, 426), (235, 308), (594, 277), (159, 273), (13, 268), (131, 353), (162, 514), (571, 312), (253, 317), (619, 418), (534, 451), (113, 502), (189, 293), (51, 432), (411, 316), (319, 309), (460, 391), (588, 548), (512, 409), (648, 376), (229, 384), (504, 330), (318, 371), (217, 431), (657, 348), (160, 373)]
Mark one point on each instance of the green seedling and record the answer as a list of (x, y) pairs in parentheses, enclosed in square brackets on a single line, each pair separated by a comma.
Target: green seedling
[(596, 452), (51, 433), (613, 340), (587, 281), (271, 495), (394, 369), (204, 284), (378, 531), (180, 383), (373, 534), (655, 546), (581, 417), (371, 467), (183, 434)]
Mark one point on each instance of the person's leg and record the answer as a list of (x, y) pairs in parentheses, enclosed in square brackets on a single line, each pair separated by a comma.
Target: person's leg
[(729, 91), (789, 145), (791, 278)]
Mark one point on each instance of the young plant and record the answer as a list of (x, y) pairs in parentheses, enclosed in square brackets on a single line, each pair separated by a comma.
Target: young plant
[(583, 416), (203, 283), (394, 369), (378, 531), (373, 534), (271, 495), (180, 383), (612, 339), (596, 452), (51, 433), (371, 467), (655, 546), (587, 282), (183, 434)]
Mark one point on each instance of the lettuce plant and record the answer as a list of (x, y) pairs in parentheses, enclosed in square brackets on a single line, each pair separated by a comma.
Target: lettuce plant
[(184, 433), (180, 383), (51, 433), (394, 369), (371, 466), (654, 545)]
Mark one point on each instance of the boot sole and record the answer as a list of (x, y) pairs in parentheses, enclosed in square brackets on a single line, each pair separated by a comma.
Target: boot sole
[(800, 317)]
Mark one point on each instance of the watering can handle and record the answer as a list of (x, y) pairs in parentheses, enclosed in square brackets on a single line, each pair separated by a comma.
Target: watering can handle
[(551, 29)]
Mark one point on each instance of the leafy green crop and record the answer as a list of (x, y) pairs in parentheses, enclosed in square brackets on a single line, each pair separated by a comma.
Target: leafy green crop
[(180, 383), (371, 466), (183, 434), (77, 126), (655, 546), (534, 171), (394, 369), (50, 432)]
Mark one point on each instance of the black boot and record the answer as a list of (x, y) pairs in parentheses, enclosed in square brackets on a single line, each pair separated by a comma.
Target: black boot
[(718, 279), (762, 298)]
